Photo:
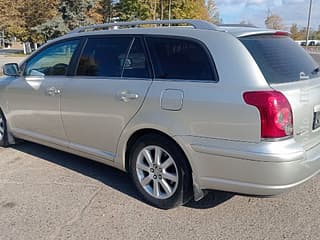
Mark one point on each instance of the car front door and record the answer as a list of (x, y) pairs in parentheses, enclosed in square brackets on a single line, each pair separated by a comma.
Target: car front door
[(34, 98), (111, 82)]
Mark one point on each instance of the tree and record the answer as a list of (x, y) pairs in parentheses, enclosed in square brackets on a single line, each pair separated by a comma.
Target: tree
[(197, 9), (74, 12), (159, 9), (18, 17), (274, 21), (70, 14), (213, 12), (41, 20), (51, 29), (128, 10), (10, 18), (103, 11), (295, 34), (318, 33)]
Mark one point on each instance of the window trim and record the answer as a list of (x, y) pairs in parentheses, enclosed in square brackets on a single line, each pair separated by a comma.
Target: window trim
[(150, 72), (127, 55), (70, 66), (191, 39)]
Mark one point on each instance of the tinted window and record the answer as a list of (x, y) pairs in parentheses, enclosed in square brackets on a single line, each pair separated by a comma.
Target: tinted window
[(279, 58), (54, 60), (179, 59), (104, 56), (136, 64)]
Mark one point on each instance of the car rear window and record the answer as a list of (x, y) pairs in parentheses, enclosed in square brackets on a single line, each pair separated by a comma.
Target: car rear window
[(280, 59), (184, 59)]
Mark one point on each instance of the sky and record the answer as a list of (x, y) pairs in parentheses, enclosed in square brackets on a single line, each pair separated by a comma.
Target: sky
[(256, 11)]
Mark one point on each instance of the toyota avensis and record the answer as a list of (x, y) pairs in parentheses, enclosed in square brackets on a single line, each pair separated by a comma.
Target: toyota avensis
[(181, 108)]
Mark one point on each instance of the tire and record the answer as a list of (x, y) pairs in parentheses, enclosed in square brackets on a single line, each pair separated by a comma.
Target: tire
[(164, 182), (3, 131)]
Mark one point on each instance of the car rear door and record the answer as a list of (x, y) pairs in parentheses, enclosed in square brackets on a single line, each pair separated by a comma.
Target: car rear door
[(289, 69), (109, 86)]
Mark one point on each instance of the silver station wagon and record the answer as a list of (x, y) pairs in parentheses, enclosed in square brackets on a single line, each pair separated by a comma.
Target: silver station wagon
[(181, 108)]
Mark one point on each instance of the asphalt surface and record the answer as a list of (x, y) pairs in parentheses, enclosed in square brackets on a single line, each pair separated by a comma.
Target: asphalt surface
[(49, 194), (316, 56)]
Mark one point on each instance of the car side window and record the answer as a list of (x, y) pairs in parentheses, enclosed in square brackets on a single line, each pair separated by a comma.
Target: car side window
[(104, 56), (136, 65), (52, 61), (175, 58)]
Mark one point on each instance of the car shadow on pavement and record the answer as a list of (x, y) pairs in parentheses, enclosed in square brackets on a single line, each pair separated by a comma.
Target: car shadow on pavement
[(107, 175), (212, 199)]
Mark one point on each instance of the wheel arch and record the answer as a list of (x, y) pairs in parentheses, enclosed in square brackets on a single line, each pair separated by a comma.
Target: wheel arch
[(10, 138), (128, 137), (141, 132)]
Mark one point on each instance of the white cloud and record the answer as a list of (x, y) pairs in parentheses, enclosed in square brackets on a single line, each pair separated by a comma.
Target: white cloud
[(255, 11), (255, 2)]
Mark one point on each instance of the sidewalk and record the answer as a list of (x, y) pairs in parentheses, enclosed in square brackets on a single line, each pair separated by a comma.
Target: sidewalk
[(4, 52)]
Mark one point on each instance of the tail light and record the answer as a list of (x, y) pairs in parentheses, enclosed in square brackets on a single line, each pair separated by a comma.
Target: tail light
[(275, 113), (281, 33)]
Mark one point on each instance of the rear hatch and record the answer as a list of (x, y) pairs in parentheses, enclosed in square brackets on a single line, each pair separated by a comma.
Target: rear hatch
[(288, 68)]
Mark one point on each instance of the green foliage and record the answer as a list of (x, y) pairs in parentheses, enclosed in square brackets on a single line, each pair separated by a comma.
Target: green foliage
[(103, 11), (71, 14), (128, 10), (18, 17), (295, 34), (159, 9), (301, 34), (51, 29), (41, 20), (190, 9), (74, 12)]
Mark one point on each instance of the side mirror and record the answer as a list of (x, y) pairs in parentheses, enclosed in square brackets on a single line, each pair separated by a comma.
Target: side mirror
[(11, 69)]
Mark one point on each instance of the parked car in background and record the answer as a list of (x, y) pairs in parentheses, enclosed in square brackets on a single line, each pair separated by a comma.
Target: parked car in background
[(310, 42), (182, 109)]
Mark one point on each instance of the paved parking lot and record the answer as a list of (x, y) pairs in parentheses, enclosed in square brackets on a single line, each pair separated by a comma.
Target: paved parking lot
[(316, 56), (49, 194)]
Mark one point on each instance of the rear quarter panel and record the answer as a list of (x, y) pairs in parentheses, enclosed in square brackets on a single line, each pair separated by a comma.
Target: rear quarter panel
[(209, 109)]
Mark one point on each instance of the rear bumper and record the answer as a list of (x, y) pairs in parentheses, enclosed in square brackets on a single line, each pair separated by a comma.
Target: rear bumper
[(265, 168)]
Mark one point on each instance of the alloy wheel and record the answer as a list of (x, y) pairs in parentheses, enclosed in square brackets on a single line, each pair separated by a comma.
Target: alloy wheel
[(157, 172)]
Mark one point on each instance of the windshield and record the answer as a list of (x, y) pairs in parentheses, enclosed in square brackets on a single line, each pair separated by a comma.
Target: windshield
[(280, 59)]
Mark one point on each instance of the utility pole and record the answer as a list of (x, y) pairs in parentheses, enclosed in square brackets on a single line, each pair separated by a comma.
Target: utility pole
[(308, 27), (155, 10), (170, 3), (1, 39)]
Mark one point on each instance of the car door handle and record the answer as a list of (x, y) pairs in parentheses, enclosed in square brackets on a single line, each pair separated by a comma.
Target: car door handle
[(126, 96), (52, 91)]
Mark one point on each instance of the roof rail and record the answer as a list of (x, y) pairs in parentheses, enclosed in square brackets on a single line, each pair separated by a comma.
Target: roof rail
[(198, 24), (237, 25)]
